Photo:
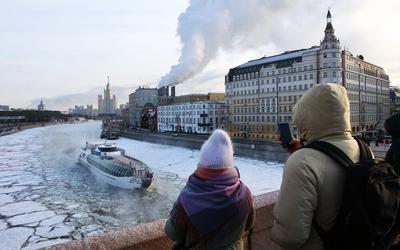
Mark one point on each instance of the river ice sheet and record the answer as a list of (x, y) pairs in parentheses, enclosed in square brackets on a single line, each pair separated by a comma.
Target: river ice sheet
[(46, 197)]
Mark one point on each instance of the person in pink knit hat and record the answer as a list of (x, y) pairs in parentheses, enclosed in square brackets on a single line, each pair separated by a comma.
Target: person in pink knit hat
[(214, 208)]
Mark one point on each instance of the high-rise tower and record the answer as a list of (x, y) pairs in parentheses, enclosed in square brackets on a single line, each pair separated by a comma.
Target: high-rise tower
[(108, 104)]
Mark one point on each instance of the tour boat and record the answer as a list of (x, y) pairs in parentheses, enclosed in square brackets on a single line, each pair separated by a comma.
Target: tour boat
[(111, 165)]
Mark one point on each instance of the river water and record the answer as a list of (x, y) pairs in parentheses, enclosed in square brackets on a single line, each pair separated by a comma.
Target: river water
[(46, 197)]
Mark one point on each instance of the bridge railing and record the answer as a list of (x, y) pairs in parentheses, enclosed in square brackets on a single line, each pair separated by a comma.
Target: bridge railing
[(151, 235)]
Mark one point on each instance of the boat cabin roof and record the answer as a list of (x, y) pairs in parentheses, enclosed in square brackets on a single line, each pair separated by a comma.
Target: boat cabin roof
[(107, 148)]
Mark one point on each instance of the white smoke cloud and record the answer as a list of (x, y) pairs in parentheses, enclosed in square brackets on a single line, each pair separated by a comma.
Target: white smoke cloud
[(208, 26)]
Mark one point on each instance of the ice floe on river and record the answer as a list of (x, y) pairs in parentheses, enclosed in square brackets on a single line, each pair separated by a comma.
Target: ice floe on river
[(47, 198)]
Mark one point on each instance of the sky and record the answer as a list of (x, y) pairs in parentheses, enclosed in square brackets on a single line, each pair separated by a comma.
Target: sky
[(58, 49)]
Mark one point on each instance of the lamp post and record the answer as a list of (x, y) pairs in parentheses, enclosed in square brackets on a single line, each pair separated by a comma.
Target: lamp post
[(277, 101), (359, 96)]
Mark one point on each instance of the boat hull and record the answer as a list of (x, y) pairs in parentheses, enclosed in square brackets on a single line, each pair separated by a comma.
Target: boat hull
[(120, 182)]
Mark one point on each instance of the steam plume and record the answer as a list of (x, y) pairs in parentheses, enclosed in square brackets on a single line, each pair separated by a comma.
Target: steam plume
[(210, 25)]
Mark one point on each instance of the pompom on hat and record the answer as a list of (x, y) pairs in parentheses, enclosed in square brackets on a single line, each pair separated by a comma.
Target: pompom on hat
[(217, 151)]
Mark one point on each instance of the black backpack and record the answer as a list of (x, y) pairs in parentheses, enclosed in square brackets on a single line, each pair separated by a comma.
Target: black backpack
[(368, 216)]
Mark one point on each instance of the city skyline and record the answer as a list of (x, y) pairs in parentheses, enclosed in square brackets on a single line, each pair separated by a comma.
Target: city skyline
[(55, 50)]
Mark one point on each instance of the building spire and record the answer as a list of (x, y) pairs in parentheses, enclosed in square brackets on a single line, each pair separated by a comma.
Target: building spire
[(329, 16), (329, 30), (108, 82)]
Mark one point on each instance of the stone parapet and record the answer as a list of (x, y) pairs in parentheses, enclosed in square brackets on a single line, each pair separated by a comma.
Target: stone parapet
[(151, 235)]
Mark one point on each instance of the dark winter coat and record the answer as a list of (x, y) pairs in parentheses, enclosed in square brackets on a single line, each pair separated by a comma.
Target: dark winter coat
[(214, 209), (392, 126)]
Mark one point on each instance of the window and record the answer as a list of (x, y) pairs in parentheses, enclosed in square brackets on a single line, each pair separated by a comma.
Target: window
[(311, 76), (325, 74), (325, 56), (334, 73)]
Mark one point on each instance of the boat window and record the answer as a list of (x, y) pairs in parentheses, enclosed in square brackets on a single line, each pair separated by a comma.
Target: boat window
[(113, 149)]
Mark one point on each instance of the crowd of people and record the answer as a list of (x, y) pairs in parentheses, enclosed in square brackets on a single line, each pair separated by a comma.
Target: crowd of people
[(334, 194)]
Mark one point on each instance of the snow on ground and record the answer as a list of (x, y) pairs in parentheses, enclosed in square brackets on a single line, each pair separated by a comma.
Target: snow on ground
[(260, 176), (46, 197)]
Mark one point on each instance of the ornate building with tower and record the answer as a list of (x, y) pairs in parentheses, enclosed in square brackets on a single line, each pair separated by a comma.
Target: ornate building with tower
[(108, 104), (262, 92)]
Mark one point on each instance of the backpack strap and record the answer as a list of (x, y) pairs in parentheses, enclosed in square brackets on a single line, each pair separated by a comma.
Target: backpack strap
[(365, 151), (339, 157), (332, 151)]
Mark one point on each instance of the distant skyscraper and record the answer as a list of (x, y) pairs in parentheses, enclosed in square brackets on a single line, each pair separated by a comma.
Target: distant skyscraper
[(108, 104), (41, 105)]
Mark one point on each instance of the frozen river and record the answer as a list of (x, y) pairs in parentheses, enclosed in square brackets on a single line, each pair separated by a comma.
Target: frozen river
[(47, 198)]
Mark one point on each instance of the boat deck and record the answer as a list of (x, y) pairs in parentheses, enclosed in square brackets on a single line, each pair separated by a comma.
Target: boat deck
[(129, 161)]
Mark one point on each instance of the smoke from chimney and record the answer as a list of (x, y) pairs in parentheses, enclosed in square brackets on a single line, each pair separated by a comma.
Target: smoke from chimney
[(208, 26)]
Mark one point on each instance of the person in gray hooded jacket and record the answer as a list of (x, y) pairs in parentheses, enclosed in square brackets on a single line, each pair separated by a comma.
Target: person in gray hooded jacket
[(312, 184)]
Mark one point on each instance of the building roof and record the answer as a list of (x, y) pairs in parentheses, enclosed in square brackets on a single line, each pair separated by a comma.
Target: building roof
[(329, 26), (193, 102), (394, 93), (280, 57)]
